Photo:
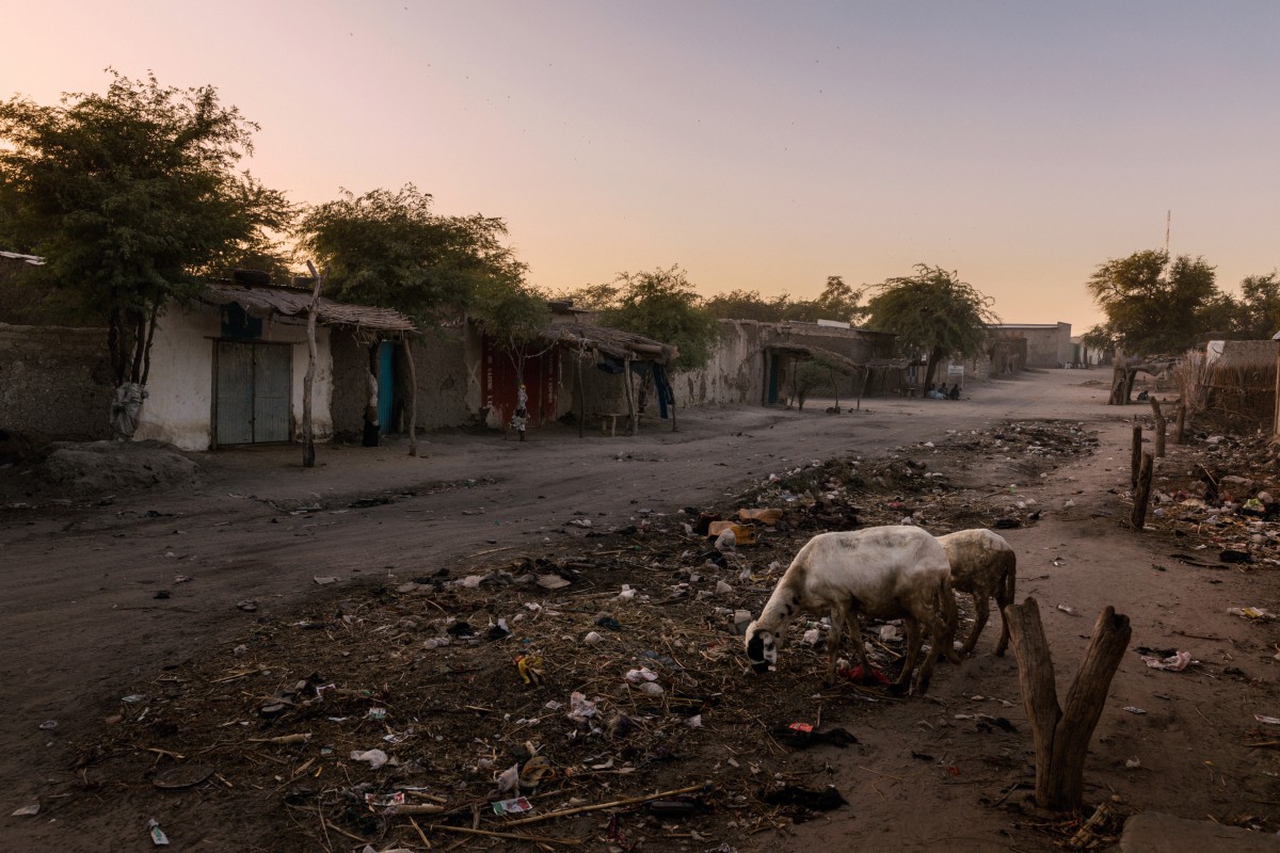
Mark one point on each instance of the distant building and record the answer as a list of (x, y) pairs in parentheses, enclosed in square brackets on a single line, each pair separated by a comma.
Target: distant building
[(1048, 344)]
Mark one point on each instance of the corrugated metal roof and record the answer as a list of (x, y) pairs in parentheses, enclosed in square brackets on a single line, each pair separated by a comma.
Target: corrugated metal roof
[(264, 301)]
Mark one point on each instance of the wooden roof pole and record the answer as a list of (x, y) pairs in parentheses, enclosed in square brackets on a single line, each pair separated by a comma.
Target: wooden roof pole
[(632, 414), (413, 399)]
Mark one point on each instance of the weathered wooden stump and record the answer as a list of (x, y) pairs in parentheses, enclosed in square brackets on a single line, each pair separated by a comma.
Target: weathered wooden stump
[(1142, 494), (1061, 735)]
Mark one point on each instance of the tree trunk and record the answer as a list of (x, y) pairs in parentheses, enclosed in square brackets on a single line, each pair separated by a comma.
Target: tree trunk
[(413, 398), (1061, 736), (1118, 397), (1179, 429), (1142, 494), (308, 435)]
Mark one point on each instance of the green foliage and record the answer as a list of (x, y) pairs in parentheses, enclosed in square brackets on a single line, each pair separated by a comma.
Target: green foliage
[(838, 301), (1153, 306), (748, 305), (513, 314), (1257, 313), (933, 314), (663, 305), (132, 196), (389, 249), (809, 376)]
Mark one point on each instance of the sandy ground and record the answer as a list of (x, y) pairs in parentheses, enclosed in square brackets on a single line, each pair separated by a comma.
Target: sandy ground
[(81, 624)]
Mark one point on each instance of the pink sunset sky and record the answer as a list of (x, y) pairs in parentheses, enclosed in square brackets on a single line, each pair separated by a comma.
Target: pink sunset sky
[(760, 146)]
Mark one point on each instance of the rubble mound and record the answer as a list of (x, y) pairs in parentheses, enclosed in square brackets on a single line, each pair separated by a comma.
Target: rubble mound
[(101, 467)]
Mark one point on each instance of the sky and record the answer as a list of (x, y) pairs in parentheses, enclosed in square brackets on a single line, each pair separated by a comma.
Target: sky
[(758, 145)]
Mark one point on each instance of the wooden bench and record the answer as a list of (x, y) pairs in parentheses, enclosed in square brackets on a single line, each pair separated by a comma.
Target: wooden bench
[(609, 422)]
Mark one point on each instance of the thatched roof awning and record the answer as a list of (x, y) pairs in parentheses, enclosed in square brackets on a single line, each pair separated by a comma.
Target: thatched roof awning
[(611, 342), (288, 302), (835, 360)]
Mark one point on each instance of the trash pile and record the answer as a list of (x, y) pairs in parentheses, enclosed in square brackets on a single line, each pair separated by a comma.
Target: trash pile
[(1218, 497), (596, 697)]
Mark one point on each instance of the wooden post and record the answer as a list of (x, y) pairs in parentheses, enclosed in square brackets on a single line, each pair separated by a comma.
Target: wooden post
[(308, 434), (1179, 430), (1135, 456), (1061, 736), (632, 415), (1142, 494), (413, 398), (1160, 424), (582, 394)]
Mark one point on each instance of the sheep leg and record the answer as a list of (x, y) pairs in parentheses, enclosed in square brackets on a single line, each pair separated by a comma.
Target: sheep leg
[(839, 619), (1004, 598), (981, 606), (937, 637), (913, 654)]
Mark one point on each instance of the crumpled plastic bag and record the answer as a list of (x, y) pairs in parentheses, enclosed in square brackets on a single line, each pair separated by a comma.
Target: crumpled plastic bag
[(375, 757), (581, 708)]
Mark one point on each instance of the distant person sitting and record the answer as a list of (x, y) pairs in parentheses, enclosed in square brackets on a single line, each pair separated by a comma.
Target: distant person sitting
[(954, 393), (1143, 395), (934, 394)]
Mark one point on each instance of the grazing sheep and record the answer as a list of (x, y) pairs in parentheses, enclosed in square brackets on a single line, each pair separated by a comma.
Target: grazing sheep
[(983, 565), (881, 572)]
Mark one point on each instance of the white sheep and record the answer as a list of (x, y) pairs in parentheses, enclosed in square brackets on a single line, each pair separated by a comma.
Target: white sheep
[(881, 572), (983, 565)]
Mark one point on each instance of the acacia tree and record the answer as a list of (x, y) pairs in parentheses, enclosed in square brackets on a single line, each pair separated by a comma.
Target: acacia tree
[(933, 314), (1152, 306), (133, 197), (1257, 313), (663, 305), (392, 250)]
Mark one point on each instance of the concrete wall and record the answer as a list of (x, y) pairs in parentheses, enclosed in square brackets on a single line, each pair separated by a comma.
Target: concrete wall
[(1048, 345), (179, 406), (55, 382)]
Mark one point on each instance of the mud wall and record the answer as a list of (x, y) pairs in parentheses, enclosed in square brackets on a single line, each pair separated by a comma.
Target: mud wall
[(55, 382)]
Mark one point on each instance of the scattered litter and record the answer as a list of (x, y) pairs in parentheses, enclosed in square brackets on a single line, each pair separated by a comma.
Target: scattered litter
[(1132, 764), (27, 811), (1270, 721), (796, 795), (325, 581), (49, 725), (592, 638), (1251, 612), (552, 582), (182, 776), (1070, 611), (248, 605), (375, 757), (727, 540), (158, 838), (530, 668), (581, 708), (1134, 709), (803, 736), (519, 805), (1173, 663)]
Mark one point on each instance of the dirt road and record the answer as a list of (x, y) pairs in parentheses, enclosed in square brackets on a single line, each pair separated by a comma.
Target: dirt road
[(99, 597)]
